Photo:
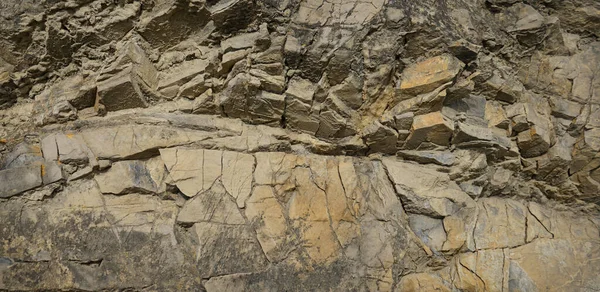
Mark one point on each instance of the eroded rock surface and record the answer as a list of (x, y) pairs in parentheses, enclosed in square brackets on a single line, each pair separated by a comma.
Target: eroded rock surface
[(307, 145)]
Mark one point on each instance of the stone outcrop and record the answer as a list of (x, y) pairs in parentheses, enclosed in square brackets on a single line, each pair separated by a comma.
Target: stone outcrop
[(308, 145)]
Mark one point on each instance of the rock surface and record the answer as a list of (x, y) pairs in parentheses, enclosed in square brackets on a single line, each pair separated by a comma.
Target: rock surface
[(307, 145)]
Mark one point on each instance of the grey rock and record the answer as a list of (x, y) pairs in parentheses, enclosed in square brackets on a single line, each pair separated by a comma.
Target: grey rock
[(433, 127), (81, 173), (133, 176), (23, 154), (51, 172), (19, 179), (380, 138), (443, 158)]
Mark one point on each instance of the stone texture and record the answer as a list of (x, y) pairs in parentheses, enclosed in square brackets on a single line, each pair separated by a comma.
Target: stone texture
[(20, 179), (133, 176), (308, 145), (427, 75), (195, 173), (433, 128), (424, 190)]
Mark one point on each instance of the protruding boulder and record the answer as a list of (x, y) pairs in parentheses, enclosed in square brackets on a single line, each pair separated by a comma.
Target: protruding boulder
[(427, 75), (433, 128), (127, 81), (534, 142), (380, 138)]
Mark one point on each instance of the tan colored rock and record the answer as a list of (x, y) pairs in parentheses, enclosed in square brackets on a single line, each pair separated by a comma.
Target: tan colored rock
[(501, 223), (421, 282), (227, 249), (567, 265), (272, 228), (133, 176), (496, 115), (308, 212), (424, 190), (274, 168), (192, 170), (534, 142), (237, 175), (213, 205), (317, 12), (455, 234), (182, 73), (432, 127), (380, 138), (489, 267), (118, 142), (427, 75)]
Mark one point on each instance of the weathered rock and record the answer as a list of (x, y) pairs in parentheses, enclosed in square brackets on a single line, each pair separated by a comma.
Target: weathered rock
[(500, 224), (133, 176), (23, 154), (423, 190), (121, 92), (195, 173), (51, 172), (421, 282), (533, 142), (237, 145), (19, 179), (121, 142), (427, 75), (214, 205), (434, 128), (429, 230), (243, 99), (380, 138), (444, 158)]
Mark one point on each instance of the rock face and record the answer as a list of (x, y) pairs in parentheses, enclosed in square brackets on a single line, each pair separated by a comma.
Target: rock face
[(308, 145)]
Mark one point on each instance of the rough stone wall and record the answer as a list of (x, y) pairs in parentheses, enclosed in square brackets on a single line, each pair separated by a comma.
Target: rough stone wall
[(299, 145)]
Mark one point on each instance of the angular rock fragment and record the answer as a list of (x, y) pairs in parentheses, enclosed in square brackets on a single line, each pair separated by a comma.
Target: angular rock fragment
[(433, 127), (444, 158), (192, 170), (128, 80), (424, 190), (427, 75), (121, 92), (243, 99), (133, 176), (19, 179), (213, 205), (533, 142), (119, 142), (298, 111), (380, 138)]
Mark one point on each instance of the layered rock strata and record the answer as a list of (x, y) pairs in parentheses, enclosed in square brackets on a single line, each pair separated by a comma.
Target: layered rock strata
[(301, 145)]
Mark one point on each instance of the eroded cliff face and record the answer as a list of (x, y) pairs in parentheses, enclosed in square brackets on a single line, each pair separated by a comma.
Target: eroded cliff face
[(299, 145)]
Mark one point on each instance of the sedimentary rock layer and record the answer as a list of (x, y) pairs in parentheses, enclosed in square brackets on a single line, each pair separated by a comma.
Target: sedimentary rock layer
[(299, 145)]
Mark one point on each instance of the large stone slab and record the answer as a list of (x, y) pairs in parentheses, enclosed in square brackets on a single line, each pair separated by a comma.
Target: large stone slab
[(424, 190), (19, 179), (427, 75), (192, 170)]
